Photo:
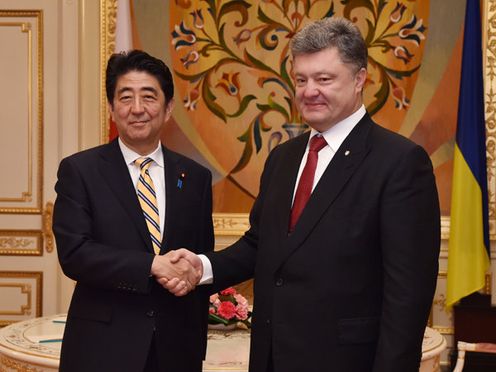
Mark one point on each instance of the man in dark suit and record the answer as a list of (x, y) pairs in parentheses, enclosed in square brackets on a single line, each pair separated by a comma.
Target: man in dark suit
[(120, 318), (343, 281)]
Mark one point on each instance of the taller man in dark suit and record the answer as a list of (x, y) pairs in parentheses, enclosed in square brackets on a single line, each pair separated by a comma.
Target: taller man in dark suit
[(343, 281), (120, 207)]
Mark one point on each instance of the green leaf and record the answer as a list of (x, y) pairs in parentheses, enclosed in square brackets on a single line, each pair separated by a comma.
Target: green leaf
[(398, 74), (218, 319), (381, 96), (285, 75), (273, 106), (209, 99), (330, 12), (195, 77), (256, 134), (222, 40), (259, 64), (266, 19), (242, 107), (370, 32), (247, 151)]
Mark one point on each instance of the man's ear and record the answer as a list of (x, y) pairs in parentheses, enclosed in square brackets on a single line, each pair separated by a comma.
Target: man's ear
[(168, 109), (360, 78), (110, 108)]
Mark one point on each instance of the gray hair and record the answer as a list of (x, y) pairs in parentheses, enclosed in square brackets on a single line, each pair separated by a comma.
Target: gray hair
[(328, 33)]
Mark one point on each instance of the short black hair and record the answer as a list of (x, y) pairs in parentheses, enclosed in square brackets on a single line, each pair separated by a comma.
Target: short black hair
[(136, 60)]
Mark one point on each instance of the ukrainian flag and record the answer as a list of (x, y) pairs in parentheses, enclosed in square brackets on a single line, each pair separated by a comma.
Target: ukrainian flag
[(468, 258)]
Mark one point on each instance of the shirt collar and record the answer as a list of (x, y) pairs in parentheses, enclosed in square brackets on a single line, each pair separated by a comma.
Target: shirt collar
[(336, 135), (130, 156)]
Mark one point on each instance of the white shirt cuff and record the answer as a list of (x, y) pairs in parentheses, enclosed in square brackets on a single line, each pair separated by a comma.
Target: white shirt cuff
[(208, 275)]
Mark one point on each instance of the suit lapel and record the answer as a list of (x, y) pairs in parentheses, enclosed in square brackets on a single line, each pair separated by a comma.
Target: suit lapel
[(342, 166), (115, 172), (173, 174), (286, 180)]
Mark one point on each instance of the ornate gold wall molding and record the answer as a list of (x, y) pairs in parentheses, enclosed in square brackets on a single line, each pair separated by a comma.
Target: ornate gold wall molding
[(17, 365), (444, 330), (47, 223), (21, 243), (25, 288), (230, 224), (108, 15), (33, 55), (20, 279), (489, 49)]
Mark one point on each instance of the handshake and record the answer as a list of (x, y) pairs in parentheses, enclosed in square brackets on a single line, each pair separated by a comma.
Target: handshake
[(177, 271)]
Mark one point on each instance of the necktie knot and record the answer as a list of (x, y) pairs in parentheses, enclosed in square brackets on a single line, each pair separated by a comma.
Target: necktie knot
[(317, 143), (144, 163)]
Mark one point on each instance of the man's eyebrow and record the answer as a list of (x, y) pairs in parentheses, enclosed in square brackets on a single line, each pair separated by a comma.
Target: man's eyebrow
[(149, 89), (123, 89), (144, 89)]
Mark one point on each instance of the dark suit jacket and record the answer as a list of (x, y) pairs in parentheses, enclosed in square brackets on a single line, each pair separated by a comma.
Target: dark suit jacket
[(103, 244), (350, 289)]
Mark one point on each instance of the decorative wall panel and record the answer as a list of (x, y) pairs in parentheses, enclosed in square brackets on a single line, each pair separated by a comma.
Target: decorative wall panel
[(21, 113), (21, 296), (21, 243)]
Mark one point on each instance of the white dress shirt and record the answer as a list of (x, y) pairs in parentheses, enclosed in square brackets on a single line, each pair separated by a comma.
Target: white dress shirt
[(157, 174), (334, 137)]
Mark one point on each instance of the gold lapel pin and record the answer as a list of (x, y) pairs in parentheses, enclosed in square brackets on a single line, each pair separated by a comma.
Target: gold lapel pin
[(347, 152)]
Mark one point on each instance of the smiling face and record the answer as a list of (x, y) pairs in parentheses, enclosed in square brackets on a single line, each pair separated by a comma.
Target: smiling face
[(139, 111), (327, 89)]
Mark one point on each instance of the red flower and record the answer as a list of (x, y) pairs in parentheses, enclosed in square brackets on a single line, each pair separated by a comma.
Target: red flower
[(227, 310), (228, 291)]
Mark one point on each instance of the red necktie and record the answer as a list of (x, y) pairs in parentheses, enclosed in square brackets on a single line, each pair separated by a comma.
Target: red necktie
[(305, 184)]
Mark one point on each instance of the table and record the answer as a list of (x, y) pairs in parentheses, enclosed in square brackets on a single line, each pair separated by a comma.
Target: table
[(34, 346)]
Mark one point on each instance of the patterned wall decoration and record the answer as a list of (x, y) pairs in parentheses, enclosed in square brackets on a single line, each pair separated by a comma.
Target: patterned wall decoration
[(233, 70), (234, 93)]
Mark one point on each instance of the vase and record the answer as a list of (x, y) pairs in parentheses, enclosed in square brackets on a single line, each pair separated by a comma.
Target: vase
[(294, 129), (222, 327)]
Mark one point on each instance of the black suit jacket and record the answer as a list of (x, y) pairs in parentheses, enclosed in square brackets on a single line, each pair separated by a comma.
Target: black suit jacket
[(103, 244), (351, 288)]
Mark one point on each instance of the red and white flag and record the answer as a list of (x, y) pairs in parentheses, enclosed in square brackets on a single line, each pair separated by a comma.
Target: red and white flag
[(126, 38)]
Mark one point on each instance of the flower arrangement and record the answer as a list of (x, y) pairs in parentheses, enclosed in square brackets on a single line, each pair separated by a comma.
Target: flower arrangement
[(229, 307)]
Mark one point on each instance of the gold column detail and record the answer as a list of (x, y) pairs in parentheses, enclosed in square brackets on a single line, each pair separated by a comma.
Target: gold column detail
[(47, 227), (489, 61), (108, 23)]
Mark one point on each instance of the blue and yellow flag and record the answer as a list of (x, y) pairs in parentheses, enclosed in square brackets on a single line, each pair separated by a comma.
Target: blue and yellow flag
[(468, 258)]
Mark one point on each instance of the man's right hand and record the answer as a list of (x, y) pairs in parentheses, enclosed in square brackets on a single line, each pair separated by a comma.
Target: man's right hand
[(178, 271)]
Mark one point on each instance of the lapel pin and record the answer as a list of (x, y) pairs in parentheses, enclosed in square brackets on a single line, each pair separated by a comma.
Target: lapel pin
[(180, 180), (347, 152)]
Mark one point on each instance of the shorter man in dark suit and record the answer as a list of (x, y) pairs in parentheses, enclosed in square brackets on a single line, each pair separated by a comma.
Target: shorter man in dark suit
[(120, 208), (344, 236)]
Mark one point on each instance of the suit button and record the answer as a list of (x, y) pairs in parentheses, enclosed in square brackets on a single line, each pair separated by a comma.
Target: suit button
[(279, 282), (267, 321), (150, 313)]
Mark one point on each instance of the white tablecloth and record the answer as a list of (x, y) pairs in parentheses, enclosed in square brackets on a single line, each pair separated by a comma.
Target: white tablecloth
[(34, 346)]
